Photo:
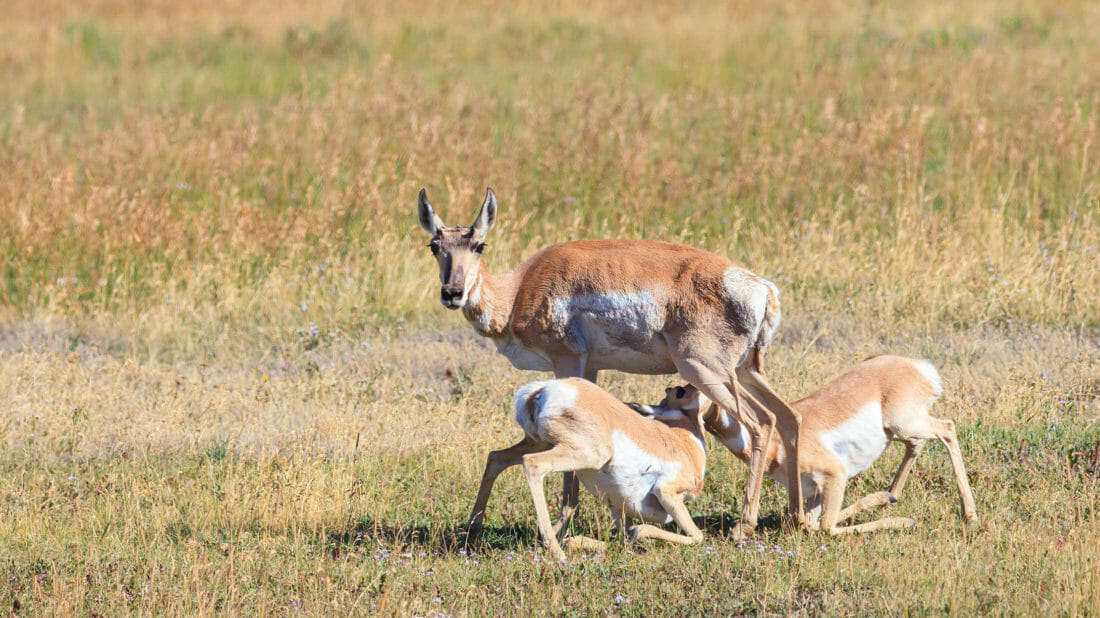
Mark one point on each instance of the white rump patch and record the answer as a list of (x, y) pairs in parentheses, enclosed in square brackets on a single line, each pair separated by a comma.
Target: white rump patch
[(928, 370), (743, 286), (859, 441), (750, 292), (552, 397)]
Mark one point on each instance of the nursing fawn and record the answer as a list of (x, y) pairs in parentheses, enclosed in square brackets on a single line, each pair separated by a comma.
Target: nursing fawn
[(846, 426), (641, 467)]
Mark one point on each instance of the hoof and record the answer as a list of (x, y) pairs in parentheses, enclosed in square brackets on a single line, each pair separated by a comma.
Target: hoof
[(740, 532), (893, 500)]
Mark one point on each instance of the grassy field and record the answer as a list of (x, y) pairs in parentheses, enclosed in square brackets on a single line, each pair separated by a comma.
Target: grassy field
[(229, 386)]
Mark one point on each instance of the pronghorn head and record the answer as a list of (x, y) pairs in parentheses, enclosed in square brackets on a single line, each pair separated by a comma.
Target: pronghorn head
[(457, 249), (680, 402), (685, 398)]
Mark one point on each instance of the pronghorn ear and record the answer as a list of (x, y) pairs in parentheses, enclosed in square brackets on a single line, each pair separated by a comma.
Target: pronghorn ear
[(431, 223), (487, 215)]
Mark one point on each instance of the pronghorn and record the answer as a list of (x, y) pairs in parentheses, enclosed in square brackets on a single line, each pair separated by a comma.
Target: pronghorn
[(846, 425), (637, 306), (642, 468)]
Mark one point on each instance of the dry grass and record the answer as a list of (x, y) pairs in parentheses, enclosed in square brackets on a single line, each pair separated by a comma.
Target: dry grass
[(230, 387)]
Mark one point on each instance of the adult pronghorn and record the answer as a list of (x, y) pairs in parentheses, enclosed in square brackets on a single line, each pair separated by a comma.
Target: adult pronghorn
[(846, 425), (642, 468), (636, 306)]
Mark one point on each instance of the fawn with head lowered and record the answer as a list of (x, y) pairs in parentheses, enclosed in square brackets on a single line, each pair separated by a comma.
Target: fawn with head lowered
[(846, 425), (642, 468), (638, 306)]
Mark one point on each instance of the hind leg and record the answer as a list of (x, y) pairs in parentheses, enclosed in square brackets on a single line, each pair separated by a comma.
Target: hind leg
[(570, 367), (536, 466), (866, 503), (759, 423), (787, 421), (913, 448), (497, 462), (945, 431)]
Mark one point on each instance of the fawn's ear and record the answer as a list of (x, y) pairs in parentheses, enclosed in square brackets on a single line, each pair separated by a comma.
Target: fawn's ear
[(431, 223), (486, 216), (642, 409)]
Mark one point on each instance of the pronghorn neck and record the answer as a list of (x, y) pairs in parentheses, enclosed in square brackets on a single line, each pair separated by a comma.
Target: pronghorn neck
[(489, 303)]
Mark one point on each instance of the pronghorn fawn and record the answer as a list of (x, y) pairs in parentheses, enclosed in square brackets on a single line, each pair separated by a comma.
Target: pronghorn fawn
[(642, 468), (645, 307), (846, 425)]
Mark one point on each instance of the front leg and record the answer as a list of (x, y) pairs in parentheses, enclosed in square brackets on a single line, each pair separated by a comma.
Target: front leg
[(584, 542), (866, 503), (674, 506), (756, 420)]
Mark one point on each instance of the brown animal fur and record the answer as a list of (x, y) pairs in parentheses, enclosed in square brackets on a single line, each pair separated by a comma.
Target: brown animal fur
[(638, 306), (882, 399), (572, 425)]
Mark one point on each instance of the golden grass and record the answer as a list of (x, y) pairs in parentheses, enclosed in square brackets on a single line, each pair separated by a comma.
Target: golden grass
[(230, 387), (150, 487)]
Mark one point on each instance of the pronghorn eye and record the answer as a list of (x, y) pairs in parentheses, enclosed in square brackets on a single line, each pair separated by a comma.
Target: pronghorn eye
[(479, 248), (680, 392), (434, 246)]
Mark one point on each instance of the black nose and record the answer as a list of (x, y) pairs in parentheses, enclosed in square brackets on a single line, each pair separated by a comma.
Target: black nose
[(449, 293)]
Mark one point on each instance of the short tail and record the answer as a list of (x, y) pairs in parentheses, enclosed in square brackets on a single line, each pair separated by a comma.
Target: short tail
[(538, 402), (526, 402), (768, 327)]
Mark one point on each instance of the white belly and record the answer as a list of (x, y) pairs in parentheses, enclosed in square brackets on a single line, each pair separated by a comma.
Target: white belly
[(616, 331), (628, 479), (859, 441), (521, 356)]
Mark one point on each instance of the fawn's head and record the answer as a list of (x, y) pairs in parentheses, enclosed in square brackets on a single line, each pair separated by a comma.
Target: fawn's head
[(685, 398)]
